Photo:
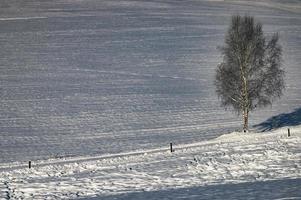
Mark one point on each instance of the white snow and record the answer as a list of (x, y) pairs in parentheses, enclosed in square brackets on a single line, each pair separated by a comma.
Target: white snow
[(94, 91), (235, 158), (87, 78)]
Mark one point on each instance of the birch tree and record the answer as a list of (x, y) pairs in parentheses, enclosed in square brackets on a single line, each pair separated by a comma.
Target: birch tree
[(250, 75)]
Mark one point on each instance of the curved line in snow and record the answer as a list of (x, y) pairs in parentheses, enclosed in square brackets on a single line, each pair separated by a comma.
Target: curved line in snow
[(20, 18)]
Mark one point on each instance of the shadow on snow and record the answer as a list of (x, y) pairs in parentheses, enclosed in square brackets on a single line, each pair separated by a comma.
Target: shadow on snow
[(278, 121), (273, 189)]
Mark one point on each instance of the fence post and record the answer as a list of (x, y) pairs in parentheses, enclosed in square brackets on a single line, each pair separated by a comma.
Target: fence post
[(171, 149), (29, 164), (288, 132)]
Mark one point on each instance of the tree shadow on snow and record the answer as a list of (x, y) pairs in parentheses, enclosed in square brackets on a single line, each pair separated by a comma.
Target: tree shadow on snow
[(267, 190), (278, 121)]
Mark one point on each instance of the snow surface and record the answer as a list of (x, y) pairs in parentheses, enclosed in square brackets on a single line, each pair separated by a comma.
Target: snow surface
[(88, 77), (94, 91), (233, 166)]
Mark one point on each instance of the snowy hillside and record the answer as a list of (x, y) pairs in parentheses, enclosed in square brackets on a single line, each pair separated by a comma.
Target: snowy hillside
[(94, 91), (98, 77), (233, 166)]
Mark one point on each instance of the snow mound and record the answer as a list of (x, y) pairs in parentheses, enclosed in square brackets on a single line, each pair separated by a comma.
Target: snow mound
[(251, 136)]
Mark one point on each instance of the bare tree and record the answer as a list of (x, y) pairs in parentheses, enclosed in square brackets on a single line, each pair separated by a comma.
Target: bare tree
[(250, 74)]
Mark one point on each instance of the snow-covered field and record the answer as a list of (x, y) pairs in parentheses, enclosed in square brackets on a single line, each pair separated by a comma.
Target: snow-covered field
[(100, 77), (232, 166), (94, 91)]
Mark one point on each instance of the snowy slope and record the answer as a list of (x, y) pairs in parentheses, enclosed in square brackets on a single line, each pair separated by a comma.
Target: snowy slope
[(100, 77), (233, 166)]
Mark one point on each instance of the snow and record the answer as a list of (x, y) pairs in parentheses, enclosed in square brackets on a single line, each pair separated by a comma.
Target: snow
[(233, 161), (93, 92), (87, 78)]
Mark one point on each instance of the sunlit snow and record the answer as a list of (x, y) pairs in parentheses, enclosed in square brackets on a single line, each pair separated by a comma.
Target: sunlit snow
[(85, 83)]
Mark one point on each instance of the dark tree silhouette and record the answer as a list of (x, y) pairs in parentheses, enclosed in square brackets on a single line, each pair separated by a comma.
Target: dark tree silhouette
[(250, 74)]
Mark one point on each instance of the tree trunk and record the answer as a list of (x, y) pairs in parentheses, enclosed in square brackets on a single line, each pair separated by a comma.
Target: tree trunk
[(245, 98), (245, 119)]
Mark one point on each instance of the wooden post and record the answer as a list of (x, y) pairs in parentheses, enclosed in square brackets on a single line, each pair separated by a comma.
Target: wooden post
[(29, 164), (171, 150), (288, 132)]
